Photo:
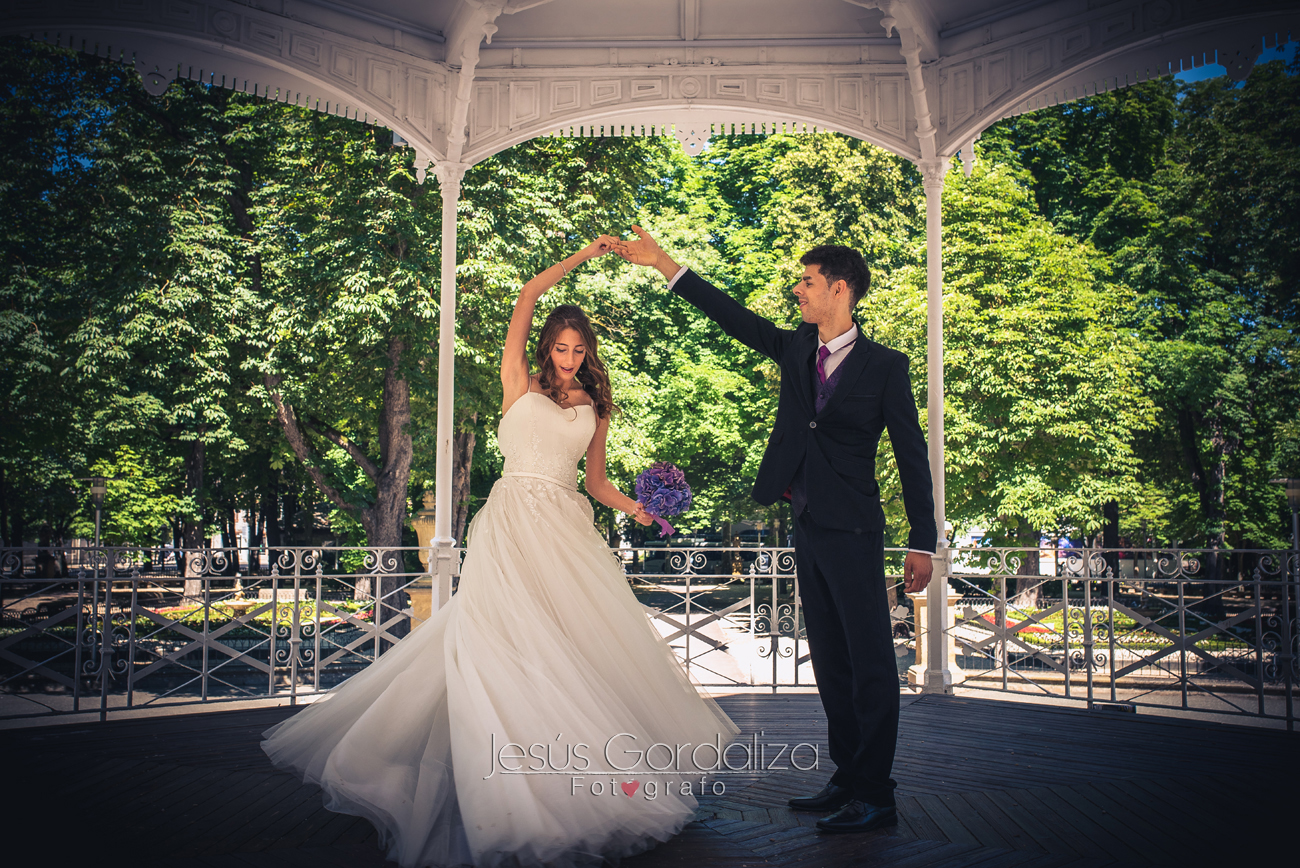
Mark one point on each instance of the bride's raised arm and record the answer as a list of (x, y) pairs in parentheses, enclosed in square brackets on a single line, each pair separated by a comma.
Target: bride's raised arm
[(514, 358)]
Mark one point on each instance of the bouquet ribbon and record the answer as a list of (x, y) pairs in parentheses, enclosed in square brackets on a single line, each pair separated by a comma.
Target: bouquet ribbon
[(665, 529)]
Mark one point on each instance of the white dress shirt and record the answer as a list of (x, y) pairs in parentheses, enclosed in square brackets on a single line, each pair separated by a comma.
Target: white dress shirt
[(839, 347)]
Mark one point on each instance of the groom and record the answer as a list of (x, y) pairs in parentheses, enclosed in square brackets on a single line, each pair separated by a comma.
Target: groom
[(839, 391)]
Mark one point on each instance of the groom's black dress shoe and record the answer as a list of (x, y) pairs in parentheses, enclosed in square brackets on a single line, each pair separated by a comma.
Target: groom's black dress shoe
[(832, 797), (858, 816)]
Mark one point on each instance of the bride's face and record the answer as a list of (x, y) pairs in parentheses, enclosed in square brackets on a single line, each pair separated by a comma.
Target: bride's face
[(568, 353)]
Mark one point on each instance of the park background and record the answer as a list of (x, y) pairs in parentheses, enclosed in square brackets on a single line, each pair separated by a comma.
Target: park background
[(227, 306)]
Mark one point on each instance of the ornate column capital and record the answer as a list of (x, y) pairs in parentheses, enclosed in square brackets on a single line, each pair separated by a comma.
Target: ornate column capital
[(449, 174), (933, 172)]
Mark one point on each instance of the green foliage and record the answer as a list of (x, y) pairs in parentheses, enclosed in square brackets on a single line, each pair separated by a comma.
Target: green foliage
[(1191, 192), (51, 111), (347, 245), (141, 502), (1042, 400), (1120, 307)]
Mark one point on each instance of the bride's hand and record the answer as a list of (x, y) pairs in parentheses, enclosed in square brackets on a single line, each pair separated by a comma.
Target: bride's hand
[(642, 517), (602, 245)]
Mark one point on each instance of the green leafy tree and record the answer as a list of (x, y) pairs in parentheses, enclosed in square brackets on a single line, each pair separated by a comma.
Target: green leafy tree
[(141, 501), (1190, 190), (123, 267), (772, 199), (1043, 400), (43, 127), (344, 248)]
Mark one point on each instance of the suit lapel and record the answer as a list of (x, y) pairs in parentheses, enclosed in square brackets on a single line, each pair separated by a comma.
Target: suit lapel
[(853, 366)]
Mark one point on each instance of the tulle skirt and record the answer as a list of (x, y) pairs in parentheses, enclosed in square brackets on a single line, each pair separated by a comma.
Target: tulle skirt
[(515, 727)]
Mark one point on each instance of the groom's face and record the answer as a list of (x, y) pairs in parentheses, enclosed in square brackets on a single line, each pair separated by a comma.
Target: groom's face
[(817, 299)]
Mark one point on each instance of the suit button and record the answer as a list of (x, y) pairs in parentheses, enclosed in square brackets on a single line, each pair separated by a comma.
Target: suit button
[(812, 424)]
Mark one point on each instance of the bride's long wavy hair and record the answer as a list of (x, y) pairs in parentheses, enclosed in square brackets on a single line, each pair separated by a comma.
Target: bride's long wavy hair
[(591, 375)]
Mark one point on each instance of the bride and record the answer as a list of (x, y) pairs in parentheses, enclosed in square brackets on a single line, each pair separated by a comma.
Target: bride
[(538, 717)]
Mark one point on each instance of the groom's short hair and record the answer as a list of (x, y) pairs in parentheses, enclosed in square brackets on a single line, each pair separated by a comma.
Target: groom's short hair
[(837, 262)]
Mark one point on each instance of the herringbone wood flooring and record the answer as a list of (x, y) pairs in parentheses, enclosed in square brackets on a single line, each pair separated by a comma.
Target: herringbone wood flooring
[(982, 782)]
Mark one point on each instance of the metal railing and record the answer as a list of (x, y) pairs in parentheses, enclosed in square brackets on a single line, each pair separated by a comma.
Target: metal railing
[(113, 628), (1211, 631), (107, 628), (733, 615), (85, 629)]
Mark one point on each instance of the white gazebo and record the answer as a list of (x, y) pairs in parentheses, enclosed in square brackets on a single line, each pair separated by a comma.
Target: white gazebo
[(460, 80)]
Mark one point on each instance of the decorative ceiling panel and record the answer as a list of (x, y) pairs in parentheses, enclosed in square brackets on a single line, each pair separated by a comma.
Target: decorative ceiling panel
[(461, 80)]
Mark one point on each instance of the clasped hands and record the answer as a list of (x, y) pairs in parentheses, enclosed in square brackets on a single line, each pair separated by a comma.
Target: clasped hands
[(643, 250)]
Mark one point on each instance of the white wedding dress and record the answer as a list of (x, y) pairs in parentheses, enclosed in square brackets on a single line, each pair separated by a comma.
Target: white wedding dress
[(544, 645)]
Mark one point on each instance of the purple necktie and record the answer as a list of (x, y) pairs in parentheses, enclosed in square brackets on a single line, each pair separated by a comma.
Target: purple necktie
[(822, 354)]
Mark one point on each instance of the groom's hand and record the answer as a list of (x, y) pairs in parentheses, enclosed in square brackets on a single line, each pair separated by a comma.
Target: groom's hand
[(644, 250), (918, 568)]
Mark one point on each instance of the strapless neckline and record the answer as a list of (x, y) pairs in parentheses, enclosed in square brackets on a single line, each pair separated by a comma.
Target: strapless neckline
[(543, 396)]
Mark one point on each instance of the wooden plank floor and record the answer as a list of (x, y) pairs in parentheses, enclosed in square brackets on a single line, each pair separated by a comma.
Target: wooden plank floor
[(982, 782)]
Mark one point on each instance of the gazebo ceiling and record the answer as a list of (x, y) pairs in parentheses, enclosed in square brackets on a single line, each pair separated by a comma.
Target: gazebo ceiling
[(462, 79)]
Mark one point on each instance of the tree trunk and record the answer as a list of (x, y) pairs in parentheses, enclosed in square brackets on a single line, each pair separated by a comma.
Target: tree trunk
[(230, 541), (733, 560), (16, 539), (253, 522), (291, 535), (1217, 562), (192, 529), (1028, 581), (47, 566), (462, 462), (271, 522), (385, 520), (1209, 489), (1110, 535), (5, 539)]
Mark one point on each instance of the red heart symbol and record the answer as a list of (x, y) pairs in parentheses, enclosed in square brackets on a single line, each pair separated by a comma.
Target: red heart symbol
[(630, 787)]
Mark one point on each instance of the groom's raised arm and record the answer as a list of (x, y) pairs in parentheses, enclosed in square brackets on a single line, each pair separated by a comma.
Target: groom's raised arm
[(740, 322), (735, 319)]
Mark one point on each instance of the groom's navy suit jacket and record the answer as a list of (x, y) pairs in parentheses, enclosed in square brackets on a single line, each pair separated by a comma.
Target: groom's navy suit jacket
[(837, 446)]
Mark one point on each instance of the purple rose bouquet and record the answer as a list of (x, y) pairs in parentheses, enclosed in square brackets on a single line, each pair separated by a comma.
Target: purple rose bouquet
[(661, 488)]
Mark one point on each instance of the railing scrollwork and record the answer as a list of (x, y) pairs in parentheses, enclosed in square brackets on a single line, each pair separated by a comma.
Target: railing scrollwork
[(131, 627)]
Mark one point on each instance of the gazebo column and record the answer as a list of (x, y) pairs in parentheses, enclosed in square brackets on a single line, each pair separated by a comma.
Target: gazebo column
[(443, 564), (940, 672)]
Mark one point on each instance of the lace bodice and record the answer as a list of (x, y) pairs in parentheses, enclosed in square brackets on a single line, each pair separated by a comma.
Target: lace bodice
[(538, 437)]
